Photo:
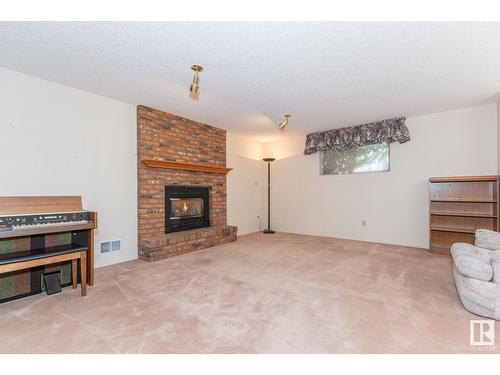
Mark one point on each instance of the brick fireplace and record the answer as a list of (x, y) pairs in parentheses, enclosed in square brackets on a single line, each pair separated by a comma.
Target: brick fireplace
[(162, 137)]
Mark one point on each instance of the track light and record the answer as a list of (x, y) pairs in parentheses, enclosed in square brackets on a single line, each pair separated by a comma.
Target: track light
[(282, 125), (195, 86)]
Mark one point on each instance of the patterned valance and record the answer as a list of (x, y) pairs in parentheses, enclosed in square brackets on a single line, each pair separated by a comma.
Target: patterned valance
[(385, 131)]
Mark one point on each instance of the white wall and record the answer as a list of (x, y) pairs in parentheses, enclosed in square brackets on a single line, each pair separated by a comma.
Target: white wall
[(245, 184), (56, 140), (394, 204)]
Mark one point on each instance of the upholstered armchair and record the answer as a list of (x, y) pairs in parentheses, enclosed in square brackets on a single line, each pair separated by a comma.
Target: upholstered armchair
[(476, 269)]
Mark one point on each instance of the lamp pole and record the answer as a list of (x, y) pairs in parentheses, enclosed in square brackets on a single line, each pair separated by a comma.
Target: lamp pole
[(268, 161)]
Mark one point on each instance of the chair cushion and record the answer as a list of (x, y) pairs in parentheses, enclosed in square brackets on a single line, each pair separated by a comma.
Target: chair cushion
[(472, 262), (487, 239)]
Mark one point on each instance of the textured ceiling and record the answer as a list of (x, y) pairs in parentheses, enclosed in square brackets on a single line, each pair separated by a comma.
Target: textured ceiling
[(326, 75)]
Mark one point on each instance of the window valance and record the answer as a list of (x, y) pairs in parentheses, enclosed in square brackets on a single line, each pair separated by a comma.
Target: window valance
[(385, 131)]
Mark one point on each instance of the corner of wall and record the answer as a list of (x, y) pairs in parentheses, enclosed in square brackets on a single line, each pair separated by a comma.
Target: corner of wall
[(245, 183)]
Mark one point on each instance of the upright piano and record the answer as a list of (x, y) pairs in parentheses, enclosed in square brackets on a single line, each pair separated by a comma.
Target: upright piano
[(39, 223)]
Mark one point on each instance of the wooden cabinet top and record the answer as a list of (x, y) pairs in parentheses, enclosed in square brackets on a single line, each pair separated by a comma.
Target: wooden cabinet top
[(463, 179)]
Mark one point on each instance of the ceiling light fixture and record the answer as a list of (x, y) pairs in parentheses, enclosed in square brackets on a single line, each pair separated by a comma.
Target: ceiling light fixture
[(195, 86), (282, 125)]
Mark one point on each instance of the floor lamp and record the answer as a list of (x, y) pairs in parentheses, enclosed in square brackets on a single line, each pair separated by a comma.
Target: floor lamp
[(268, 161)]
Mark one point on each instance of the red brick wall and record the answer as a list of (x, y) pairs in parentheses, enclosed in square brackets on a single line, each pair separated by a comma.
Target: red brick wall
[(168, 137)]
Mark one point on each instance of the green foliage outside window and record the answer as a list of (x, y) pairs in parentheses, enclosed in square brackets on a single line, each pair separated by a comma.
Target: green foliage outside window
[(371, 158)]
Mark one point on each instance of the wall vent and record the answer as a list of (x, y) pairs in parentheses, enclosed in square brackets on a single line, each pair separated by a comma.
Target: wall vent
[(109, 246)]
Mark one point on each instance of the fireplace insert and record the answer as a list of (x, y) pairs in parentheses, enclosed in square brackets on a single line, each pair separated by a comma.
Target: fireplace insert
[(186, 208)]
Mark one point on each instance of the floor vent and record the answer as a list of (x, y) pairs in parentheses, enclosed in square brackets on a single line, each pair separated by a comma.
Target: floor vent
[(109, 246)]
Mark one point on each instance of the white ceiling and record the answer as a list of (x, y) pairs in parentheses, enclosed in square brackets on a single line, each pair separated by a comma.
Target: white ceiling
[(325, 75)]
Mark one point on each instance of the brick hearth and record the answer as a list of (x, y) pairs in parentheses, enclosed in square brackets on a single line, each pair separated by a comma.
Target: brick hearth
[(168, 137)]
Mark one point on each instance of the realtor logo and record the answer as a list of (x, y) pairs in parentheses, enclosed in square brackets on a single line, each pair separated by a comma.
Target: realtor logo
[(482, 333)]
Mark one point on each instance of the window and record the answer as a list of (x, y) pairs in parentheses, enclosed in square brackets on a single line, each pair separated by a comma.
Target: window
[(371, 158)]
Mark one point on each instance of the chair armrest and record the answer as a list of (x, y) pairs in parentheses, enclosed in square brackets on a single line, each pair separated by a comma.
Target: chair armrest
[(487, 239), (472, 261)]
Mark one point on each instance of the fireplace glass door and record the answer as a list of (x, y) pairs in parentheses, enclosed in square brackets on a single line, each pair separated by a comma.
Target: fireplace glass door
[(182, 208), (186, 207)]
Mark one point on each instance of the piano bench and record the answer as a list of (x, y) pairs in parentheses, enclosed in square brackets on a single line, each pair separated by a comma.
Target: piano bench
[(22, 260)]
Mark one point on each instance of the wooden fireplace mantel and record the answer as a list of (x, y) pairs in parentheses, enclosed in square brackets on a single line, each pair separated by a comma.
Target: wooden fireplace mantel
[(154, 163)]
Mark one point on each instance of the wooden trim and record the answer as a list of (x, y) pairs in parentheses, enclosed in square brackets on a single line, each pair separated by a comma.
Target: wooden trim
[(152, 163), (39, 204), (463, 179)]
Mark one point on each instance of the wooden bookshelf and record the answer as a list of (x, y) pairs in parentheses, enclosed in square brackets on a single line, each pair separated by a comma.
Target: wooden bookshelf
[(458, 206)]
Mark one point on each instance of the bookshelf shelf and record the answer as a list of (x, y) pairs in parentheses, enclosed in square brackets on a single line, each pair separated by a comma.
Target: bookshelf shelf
[(462, 214), (454, 230), (464, 200)]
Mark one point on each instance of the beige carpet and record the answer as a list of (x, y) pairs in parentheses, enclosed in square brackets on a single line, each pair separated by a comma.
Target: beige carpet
[(279, 293)]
